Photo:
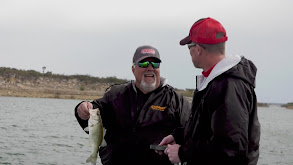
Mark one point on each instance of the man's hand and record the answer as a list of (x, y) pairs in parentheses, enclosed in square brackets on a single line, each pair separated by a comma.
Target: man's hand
[(83, 110), (172, 152), (166, 140)]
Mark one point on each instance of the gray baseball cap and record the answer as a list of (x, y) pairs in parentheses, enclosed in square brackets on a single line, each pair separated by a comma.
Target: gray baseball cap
[(145, 51)]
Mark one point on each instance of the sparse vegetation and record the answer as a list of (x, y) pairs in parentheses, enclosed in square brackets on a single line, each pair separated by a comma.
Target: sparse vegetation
[(30, 83), (32, 75), (288, 105), (186, 92), (82, 88), (262, 104)]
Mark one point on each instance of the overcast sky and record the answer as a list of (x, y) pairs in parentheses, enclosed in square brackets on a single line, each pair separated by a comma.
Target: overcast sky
[(99, 38)]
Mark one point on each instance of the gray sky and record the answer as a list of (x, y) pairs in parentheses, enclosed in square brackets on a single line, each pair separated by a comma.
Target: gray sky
[(99, 38)]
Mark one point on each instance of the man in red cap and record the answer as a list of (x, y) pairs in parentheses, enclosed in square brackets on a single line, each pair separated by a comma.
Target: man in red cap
[(223, 127)]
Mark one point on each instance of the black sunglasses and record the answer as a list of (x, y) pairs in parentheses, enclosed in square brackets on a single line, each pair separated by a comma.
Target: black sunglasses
[(194, 44)]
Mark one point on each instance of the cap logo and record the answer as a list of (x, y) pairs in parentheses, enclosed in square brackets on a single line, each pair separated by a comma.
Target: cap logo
[(147, 51)]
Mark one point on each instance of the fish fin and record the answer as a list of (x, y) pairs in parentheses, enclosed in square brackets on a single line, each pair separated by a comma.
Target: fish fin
[(92, 159), (86, 129), (103, 144)]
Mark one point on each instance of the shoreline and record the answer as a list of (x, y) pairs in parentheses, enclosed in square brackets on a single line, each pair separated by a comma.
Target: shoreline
[(69, 94), (57, 94), (70, 89), (43, 87)]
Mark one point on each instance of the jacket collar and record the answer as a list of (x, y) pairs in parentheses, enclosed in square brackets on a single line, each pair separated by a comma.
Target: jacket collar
[(227, 63)]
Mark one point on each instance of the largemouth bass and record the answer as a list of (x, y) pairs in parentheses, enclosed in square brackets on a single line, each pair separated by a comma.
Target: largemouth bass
[(96, 134)]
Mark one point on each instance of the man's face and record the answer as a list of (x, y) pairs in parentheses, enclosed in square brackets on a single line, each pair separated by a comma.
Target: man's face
[(195, 57), (147, 79)]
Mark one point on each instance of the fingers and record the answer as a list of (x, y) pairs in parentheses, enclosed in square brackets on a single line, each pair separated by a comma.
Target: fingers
[(166, 151), (159, 152), (167, 140), (83, 110), (162, 142), (89, 105), (172, 152)]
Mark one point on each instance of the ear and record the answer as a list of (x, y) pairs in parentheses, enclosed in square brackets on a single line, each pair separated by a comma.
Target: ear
[(199, 49), (132, 68)]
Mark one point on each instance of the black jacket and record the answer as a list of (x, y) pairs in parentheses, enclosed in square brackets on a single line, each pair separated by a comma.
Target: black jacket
[(223, 127), (132, 127)]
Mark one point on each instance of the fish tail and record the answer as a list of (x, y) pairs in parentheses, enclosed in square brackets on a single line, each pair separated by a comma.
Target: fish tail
[(92, 159)]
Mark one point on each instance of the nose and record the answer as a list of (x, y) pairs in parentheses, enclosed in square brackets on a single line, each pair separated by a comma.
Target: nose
[(150, 67)]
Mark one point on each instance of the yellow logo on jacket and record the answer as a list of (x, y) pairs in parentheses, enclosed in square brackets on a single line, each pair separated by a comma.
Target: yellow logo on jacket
[(158, 108)]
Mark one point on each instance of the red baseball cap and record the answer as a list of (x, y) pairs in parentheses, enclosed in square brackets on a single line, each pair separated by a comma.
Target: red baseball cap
[(206, 31)]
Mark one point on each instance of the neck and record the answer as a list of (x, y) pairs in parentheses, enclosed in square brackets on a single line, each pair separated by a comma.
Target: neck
[(212, 60)]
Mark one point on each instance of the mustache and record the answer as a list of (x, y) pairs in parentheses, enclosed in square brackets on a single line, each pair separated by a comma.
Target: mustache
[(149, 72)]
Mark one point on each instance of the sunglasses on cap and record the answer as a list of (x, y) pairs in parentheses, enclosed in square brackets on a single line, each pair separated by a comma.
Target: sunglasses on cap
[(194, 44), (145, 64)]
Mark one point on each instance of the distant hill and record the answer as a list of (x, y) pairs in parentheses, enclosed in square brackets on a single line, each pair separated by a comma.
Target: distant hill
[(31, 83), (288, 105), (32, 75)]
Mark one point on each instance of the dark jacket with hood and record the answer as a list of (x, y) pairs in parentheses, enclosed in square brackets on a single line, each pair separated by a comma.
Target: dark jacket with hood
[(223, 127), (133, 122)]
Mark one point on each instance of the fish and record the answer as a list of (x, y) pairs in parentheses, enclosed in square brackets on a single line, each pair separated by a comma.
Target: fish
[(96, 134)]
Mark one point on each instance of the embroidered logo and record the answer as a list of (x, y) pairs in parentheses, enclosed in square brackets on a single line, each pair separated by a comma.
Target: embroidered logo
[(147, 51), (158, 108)]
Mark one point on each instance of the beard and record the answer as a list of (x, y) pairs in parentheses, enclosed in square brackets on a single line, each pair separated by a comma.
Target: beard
[(148, 87)]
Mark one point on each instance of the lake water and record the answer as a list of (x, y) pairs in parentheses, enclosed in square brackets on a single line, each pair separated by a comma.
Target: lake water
[(35, 131)]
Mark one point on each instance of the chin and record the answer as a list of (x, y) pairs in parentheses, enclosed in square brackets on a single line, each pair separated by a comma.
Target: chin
[(148, 87)]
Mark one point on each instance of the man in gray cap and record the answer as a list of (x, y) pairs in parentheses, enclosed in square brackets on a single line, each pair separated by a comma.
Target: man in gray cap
[(146, 80), (138, 113)]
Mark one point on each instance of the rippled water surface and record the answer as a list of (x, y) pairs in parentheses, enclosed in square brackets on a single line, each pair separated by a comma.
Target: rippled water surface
[(41, 131), (45, 131)]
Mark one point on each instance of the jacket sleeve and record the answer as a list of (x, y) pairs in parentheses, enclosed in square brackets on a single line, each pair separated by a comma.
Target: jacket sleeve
[(184, 111), (82, 123), (182, 107), (226, 139), (99, 103)]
